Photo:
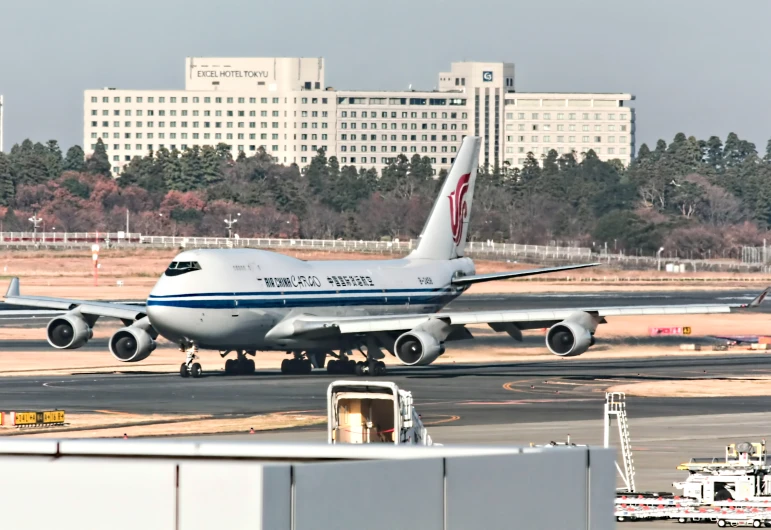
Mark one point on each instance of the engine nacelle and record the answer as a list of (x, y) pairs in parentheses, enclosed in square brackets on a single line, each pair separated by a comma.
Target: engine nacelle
[(68, 332), (417, 348), (131, 344), (568, 339)]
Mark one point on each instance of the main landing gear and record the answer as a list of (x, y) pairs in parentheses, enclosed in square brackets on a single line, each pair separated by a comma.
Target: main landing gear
[(372, 366), (303, 362), (240, 365), (190, 368)]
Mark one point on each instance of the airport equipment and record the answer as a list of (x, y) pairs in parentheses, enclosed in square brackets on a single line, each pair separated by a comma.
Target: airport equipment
[(205, 484), (365, 412), (615, 406), (743, 475)]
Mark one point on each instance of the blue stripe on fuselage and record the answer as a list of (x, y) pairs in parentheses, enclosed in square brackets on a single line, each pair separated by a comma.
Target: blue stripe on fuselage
[(248, 303)]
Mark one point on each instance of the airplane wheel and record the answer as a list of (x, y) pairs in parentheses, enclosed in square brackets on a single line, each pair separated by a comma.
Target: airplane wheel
[(305, 367), (196, 370), (333, 367), (183, 370), (285, 366), (229, 367), (380, 368), (359, 369), (249, 366)]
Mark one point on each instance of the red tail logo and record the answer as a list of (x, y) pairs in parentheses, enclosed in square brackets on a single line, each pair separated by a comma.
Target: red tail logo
[(458, 207)]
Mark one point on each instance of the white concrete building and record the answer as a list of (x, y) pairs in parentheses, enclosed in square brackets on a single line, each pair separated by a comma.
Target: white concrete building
[(538, 123), (284, 106)]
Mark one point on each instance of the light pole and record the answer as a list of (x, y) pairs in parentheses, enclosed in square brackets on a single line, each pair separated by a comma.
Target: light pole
[(230, 222), (35, 220), (658, 257)]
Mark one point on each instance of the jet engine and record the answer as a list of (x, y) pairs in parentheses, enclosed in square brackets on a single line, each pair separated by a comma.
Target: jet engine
[(568, 339), (68, 331), (417, 348), (131, 344)]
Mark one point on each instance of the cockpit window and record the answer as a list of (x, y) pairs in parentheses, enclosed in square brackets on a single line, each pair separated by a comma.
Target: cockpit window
[(182, 267)]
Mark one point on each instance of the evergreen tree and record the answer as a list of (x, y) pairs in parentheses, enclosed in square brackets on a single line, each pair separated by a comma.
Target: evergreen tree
[(28, 163), (317, 173), (211, 165), (6, 181), (714, 154), (191, 166), (98, 163), (75, 159)]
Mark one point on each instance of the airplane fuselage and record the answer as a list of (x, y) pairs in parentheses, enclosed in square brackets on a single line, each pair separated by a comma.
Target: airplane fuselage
[(236, 297)]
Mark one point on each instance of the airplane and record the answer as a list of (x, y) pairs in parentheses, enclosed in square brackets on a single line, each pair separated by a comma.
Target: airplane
[(249, 300)]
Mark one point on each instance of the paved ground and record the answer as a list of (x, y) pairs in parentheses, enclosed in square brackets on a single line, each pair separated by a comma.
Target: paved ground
[(506, 403)]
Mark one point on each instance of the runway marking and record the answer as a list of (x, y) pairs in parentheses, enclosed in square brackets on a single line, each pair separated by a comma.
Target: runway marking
[(446, 420), (526, 401), (508, 386), (117, 413)]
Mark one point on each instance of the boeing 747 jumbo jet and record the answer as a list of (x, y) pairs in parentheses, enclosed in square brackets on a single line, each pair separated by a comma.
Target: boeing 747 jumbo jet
[(244, 301)]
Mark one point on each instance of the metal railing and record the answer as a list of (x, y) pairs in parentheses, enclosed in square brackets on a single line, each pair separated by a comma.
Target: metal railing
[(122, 239)]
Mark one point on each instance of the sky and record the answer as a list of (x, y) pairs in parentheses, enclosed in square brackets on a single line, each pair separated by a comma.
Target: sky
[(695, 66)]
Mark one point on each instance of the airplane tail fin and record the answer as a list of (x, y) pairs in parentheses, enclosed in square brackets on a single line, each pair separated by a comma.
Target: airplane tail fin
[(444, 234)]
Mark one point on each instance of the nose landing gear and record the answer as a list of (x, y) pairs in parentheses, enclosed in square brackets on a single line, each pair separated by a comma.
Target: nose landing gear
[(189, 368)]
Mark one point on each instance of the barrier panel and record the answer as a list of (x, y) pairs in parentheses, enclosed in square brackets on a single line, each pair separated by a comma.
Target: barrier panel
[(200, 485)]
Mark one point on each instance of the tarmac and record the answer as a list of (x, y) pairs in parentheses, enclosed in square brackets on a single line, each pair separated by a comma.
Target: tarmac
[(513, 403)]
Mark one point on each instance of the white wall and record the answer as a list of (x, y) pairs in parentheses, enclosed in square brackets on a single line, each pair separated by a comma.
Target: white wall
[(179, 485)]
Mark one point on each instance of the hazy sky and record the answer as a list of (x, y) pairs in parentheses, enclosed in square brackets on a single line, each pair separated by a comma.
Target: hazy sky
[(696, 66)]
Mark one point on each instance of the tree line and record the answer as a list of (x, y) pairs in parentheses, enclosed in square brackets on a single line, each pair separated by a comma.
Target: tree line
[(703, 198)]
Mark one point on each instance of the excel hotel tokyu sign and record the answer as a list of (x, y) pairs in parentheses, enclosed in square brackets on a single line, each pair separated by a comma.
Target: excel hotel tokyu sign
[(221, 73)]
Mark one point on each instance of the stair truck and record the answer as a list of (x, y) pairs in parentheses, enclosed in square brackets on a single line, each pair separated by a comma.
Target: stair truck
[(363, 412)]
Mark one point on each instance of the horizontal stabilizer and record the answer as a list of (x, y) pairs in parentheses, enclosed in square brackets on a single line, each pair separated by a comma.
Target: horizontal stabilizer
[(478, 278)]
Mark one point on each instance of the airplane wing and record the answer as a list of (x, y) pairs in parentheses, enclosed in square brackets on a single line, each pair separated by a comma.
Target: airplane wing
[(122, 311), (523, 319), (478, 278), (739, 339)]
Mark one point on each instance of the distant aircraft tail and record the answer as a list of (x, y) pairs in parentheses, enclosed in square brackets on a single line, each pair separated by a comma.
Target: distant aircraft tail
[(444, 234)]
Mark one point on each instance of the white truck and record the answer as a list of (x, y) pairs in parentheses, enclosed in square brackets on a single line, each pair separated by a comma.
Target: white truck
[(742, 475), (363, 412)]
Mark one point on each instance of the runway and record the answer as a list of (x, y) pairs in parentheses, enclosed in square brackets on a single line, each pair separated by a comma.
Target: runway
[(558, 390), (567, 389)]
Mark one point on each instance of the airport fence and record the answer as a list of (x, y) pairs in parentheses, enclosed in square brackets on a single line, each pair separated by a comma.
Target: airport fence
[(751, 259), (132, 240)]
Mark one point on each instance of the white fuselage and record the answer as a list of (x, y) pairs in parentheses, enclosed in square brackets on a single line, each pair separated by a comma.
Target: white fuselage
[(238, 295)]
